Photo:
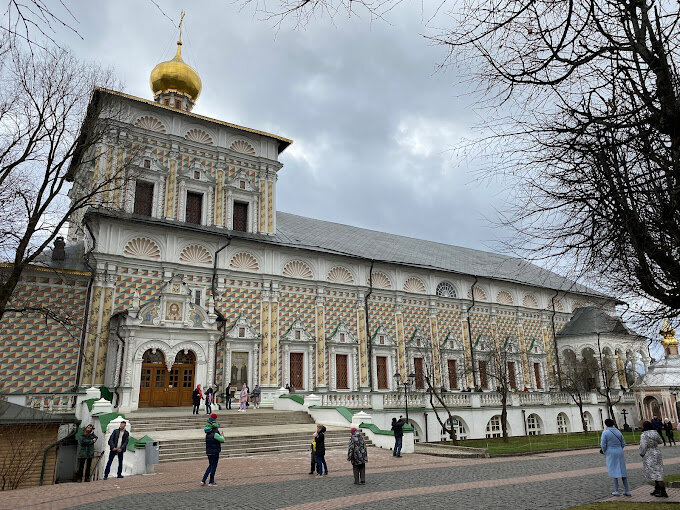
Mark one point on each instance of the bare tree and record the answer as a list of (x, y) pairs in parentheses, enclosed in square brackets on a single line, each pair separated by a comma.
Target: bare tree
[(584, 125), (23, 446), (579, 380), (49, 117)]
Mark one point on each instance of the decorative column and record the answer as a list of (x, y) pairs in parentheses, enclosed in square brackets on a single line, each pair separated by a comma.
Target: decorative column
[(321, 374), (401, 343), (264, 322), (97, 172), (219, 193), (230, 209), (274, 337), (118, 177), (271, 207), (102, 345), (172, 186), (434, 335), (467, 353), (523, 349), (92, 332), (364, 362)]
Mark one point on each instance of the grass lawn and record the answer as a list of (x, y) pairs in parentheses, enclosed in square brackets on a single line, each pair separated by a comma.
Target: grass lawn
[(616, 505), (521, 444), (671, 478)]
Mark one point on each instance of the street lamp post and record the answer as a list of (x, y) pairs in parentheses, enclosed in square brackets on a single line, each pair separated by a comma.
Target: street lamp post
[(407, 382)]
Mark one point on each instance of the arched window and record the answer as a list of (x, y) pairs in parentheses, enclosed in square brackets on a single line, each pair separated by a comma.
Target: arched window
[(588, 420), (183, 357), (445, 289), (153, 356), (458, 427), (562, 423), (493, 428), (534, 425)]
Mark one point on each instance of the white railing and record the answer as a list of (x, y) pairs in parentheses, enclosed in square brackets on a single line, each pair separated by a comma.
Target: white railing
[(52, 402), (628, 397), (561, 397), (457, 399), (394, 400), (531, 398), (490, 399), (350, 400)]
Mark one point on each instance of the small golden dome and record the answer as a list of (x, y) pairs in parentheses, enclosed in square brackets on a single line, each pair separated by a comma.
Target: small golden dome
[(176, 75)]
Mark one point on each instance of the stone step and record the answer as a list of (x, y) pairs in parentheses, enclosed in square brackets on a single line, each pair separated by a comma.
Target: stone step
[(240, 453), (200, 444)]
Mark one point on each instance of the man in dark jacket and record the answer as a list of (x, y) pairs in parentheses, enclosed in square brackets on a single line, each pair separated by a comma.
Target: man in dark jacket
[(657, 425), (118, 443), (213, 447), (321, 450), (398, 429)]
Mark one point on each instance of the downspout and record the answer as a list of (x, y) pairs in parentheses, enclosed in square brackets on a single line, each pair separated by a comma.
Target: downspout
[(44, 461), (220, 317), (368, 330), (83, 336), (557, 354), (472, 349), (122, 358)]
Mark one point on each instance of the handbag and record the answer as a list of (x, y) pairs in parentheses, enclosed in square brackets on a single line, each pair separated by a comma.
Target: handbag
[(218, 437)]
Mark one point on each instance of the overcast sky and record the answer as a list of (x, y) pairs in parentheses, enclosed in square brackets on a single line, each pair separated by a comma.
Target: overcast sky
[(374, 126)]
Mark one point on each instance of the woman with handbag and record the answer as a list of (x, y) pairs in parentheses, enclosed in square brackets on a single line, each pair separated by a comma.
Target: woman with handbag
[(213, 447), (611, 445)]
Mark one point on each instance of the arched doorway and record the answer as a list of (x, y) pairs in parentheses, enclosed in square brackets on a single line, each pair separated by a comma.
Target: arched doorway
[(159, 387), (152, 383), (652, 408)]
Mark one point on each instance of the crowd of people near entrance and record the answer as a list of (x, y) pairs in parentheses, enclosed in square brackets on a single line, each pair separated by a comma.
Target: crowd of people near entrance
[(245, 397)]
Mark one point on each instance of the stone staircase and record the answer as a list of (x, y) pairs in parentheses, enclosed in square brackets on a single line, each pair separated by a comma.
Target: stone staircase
[(252, 433)]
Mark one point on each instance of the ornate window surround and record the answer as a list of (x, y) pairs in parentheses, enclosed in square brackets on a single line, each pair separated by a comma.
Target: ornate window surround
[(249, 195), (456, 353), (204, 185), (156, 175), (389, 350), (249, 342), (350, 347), (305, 345)]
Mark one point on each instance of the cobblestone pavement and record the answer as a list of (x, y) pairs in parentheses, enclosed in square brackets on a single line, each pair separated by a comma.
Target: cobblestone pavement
[(555, 480)]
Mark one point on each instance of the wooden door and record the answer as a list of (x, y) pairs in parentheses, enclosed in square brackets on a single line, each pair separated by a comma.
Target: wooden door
[(453, 375), (483, 375), (172, 390), (341, 379), (186, 384), (159, 383), (420, 375), (241, 217), (381, 370), (512, 379), (297, 370), (537, 376), (145, 396)]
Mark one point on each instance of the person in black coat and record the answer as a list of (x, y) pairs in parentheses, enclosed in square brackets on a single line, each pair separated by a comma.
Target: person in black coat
[(227, 396), (398, 429), (657, 425), (321, 450), (668, 427), (213, 447), (118, 443)]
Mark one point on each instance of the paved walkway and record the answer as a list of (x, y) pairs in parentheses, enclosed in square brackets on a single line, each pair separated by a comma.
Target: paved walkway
[(553, 481)]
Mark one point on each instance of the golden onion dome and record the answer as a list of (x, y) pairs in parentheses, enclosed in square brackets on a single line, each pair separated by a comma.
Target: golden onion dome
[(176, 75)]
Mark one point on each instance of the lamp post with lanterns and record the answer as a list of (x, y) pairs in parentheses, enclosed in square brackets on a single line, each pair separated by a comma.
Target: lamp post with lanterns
[(407, 382)]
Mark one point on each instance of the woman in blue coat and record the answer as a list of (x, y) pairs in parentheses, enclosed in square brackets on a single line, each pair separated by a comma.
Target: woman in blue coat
[(612, 444)]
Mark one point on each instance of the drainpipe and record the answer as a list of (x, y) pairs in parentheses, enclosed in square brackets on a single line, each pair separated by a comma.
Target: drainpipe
[(426, 438), (83, 336), (557, 354), (122, 357), (44, 460), (472, 349), (368, 330), (524, 421), (220, 317)]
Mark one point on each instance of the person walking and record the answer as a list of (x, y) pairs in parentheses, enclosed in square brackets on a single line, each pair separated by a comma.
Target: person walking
[(312, 467), (652, 460), (213, 447), (256, 396), (196, 398), (227, 396), (118, 443), (321, 451), (85, 452), (209, 395), (657, 425), (611, 445), (668, 427), (398, 429), (243, 398), (358, 456)]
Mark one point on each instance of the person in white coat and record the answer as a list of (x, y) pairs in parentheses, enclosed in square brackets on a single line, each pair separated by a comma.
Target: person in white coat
[(611, 445)]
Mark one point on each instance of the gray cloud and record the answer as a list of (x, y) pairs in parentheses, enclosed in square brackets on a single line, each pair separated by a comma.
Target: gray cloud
[(373, 124)]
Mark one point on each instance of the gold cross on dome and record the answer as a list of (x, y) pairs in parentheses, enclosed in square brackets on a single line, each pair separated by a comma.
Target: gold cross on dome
[(181, 20)]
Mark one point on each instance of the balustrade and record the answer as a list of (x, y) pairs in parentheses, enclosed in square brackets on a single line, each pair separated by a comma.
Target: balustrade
[(52, 402), (349, 400)]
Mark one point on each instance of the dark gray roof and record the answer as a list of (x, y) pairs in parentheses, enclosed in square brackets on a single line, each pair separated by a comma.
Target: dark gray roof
[(590, 320), (16, 414), (328, 237), (331, 237)]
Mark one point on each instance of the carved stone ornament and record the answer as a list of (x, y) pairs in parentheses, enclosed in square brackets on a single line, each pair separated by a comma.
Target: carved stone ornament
[(243, 147), (150, 124), (242, 329), (380, 281), (342, 335), (298, 269), (414, 285), (196, 254), (199, 136), (142, 247), (381, 338), (340, 275), (297, 332), (244, 261)]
